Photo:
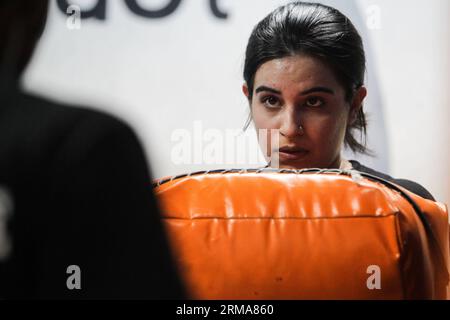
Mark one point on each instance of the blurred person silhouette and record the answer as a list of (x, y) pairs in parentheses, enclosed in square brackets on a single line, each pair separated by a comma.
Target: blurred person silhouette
[(78, 218)]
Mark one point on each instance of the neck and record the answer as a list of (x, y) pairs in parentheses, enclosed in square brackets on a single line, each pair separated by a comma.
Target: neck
[(336, 164)]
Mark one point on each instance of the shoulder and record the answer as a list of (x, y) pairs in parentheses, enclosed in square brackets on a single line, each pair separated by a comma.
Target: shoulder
[(76, 134), (36, 133), (52, 113), (51, 123), (407, 184)]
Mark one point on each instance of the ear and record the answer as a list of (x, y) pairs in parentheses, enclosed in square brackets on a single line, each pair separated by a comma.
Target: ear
[(356, 104), (245, 90)]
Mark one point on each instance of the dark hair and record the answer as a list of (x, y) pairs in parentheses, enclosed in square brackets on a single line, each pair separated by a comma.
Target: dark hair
[(315, 30), (21, 25)]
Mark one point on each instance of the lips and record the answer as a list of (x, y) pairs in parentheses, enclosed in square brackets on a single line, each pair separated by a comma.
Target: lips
[(292, 153), (292, 149)]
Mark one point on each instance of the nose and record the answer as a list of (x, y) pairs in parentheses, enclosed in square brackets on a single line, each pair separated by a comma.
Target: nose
[(290, 124)]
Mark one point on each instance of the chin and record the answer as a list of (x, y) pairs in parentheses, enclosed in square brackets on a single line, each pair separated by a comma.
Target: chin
[(294, 165)]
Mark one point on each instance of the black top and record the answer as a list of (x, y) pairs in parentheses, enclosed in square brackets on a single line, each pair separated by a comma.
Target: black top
[(407, 184), (82, 195)]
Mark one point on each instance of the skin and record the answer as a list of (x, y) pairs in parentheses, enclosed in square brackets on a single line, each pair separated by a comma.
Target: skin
[(323, 115)]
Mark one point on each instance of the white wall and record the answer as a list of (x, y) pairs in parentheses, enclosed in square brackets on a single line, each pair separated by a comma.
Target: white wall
[(412, 53), (162, 75)]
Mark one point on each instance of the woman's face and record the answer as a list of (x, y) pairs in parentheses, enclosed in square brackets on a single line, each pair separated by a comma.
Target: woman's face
[(301, 90)]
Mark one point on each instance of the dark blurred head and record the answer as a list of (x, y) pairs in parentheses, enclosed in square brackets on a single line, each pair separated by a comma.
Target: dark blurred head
[(21, 24)]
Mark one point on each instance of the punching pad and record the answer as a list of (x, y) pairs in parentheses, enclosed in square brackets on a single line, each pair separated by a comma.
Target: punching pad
[(304, 234)]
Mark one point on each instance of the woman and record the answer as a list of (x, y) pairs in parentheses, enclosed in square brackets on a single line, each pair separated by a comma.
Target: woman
[(304, 80)]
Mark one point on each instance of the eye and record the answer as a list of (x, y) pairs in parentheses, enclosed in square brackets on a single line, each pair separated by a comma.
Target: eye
[(314, 102), (270, 101)]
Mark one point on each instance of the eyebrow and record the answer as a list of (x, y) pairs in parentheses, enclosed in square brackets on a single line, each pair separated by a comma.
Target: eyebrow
[(311, 90)]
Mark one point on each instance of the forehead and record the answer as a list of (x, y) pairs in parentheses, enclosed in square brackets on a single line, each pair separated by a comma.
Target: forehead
[(299, 71)]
